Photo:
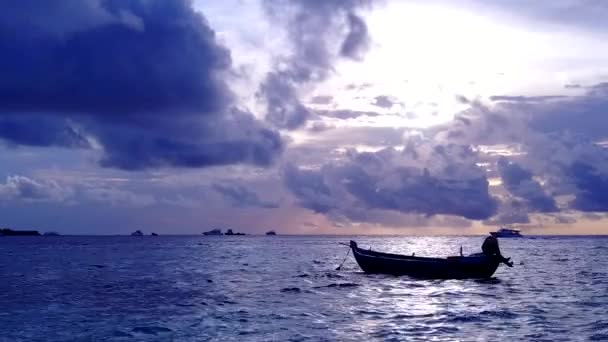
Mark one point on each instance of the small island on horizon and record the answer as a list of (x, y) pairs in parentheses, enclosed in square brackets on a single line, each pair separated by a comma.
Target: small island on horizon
[(12, 232)]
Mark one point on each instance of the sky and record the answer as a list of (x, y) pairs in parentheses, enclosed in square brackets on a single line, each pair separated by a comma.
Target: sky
[(304, 116)]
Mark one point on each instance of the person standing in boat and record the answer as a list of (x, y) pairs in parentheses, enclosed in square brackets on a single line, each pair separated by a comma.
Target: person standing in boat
[(490, 248)]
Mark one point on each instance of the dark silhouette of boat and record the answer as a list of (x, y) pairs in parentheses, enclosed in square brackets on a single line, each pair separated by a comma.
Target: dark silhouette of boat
[(10, 232), (154, 234), (506, 233), (271, 232), (137, 233), (455, 267)]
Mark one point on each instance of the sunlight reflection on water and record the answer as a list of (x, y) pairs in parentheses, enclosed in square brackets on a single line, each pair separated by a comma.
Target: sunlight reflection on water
[(286, 288)]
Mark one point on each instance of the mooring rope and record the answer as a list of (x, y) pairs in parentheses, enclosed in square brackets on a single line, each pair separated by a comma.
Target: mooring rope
[(346, 256)]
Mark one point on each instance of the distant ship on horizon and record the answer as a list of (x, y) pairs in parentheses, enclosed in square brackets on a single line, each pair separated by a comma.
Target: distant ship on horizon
[(271, 232), (506, 233)]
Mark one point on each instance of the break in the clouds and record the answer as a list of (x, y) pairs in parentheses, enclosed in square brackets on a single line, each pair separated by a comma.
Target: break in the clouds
[(143, 80)]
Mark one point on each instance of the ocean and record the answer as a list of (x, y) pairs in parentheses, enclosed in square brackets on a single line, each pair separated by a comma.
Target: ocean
[(287, 288)]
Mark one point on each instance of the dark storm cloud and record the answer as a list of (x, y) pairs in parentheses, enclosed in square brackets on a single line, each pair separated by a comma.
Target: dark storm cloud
[(144, 78), (240, 196), (592, 187), (519, 182), (556, 141), (37, 130), (284, 108), (319, 32), (139, 56), (421, 193), (310, 188), (390, 180)]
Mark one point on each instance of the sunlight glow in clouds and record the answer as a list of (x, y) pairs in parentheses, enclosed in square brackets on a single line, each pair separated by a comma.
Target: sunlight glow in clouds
[(426, 54)]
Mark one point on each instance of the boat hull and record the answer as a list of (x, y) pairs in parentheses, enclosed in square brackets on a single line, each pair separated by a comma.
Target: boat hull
[(501, 235), (460, 267)]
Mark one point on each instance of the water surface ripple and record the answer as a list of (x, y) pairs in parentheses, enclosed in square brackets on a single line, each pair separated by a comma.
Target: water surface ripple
[(281, 288)]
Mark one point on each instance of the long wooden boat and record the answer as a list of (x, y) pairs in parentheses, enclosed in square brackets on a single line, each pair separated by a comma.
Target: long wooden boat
[(456, 267)]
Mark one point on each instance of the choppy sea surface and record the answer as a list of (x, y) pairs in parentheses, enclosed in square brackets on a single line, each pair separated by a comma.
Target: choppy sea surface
[(286, 288)]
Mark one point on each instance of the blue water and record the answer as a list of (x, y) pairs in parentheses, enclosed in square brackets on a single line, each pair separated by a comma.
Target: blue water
[(287, 289)]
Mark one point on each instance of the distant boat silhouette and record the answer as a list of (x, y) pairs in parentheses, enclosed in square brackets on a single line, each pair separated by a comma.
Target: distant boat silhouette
[(137, 233), (154, 234), (506, 233), (214, 232), (271, 232)]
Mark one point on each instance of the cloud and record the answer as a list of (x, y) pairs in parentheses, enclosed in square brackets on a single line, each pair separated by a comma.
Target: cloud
[(592, 187), (311, 189), (145, 80), (520, 183), (525, 98), (392, 180), (319, 32), (384, 101), (576, 14), (358, 87), (37, 130), (345, 113), (118, 197), (236, 137), (240, 196), (29, 190), (172, 62), (357, 41), (322, 99), (284, 108), (350, 136), (555, 141)]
